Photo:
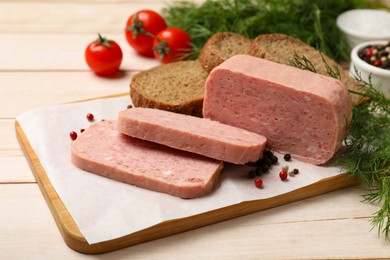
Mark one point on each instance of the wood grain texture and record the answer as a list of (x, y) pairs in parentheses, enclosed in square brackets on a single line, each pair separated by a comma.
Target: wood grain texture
[(22, 91), (75, 240), (300, 230), (61, 52), (68, 17), (42, 43)]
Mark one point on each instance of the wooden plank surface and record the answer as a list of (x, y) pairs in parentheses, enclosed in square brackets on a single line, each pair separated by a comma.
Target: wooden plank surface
[(68, 17), (59, 87), (34, 74), (301, 230), (60, 52)]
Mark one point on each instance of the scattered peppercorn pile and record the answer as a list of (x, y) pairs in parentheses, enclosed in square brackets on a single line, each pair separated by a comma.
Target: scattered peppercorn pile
[(263, 165), (376, 55)]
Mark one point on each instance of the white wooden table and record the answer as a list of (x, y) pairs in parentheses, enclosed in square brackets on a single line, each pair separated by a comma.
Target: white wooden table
[(42, 63)]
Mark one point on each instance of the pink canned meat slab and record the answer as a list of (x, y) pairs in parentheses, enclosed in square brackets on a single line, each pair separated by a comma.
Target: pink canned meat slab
[(102, 150), (299, 112), (192, 134)]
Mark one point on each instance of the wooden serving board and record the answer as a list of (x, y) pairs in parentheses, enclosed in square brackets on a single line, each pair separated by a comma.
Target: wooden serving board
[(75, 240)]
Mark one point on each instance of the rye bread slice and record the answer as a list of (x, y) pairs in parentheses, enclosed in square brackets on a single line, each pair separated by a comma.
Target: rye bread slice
[(222, 46), (281, 48), (176, 87)]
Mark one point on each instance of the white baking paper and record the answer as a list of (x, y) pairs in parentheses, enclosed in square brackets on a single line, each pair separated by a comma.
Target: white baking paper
[(104, 209)]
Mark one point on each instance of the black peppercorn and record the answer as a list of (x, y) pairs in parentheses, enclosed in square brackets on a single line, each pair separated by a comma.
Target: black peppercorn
[(252, 174), (265, 168), (268, 153), (287, 157), (259, 162), (267, 161), (259, 171), (274, 159)]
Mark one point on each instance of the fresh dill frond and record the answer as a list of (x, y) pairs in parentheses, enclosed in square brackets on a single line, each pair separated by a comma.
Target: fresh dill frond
[(334, 71), (302, 62), (366, 151), (367, 148), (367, 89), (381, 220), (312, 21)]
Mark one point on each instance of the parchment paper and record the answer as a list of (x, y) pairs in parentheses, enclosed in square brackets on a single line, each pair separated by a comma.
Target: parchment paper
[(104, 209)]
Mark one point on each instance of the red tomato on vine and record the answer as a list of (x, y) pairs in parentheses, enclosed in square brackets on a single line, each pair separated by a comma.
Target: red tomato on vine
[(103, 56), (141, 29), (172, 44)]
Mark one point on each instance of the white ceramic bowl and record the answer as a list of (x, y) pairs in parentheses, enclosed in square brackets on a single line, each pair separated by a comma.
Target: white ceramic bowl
[(361, 25), (379, 77)]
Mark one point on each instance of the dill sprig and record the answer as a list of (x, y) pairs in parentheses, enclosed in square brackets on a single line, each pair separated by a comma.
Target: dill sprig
[(366, 154), (312, 21), (367, 148), (367, 151)]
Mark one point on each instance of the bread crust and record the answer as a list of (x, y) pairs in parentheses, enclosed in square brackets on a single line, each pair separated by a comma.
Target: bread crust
[(215, 51)]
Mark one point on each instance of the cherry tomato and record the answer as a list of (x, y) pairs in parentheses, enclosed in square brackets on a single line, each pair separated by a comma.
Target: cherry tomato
[(103, 56), (172, 44), (141, 29)]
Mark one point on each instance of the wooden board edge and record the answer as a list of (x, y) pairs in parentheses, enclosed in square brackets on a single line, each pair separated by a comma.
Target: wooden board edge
[(68, 228), (76, 241)]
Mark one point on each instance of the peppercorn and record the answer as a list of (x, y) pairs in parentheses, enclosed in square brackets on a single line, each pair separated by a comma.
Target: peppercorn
[(252, 174), (376, 55), (265, 168), (386, 64), (274, 159), (283, 175), (258, 182), (267, 161), (73, 135), (287, 157), (90, 117), (129, 106), (259, 171), (268, 153), (259, 162), (377, 63), (295, 171), (384, 53)]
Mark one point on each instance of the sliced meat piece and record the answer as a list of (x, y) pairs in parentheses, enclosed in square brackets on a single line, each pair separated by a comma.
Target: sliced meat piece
[(299, 112), (192, 134), (102, 150)]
